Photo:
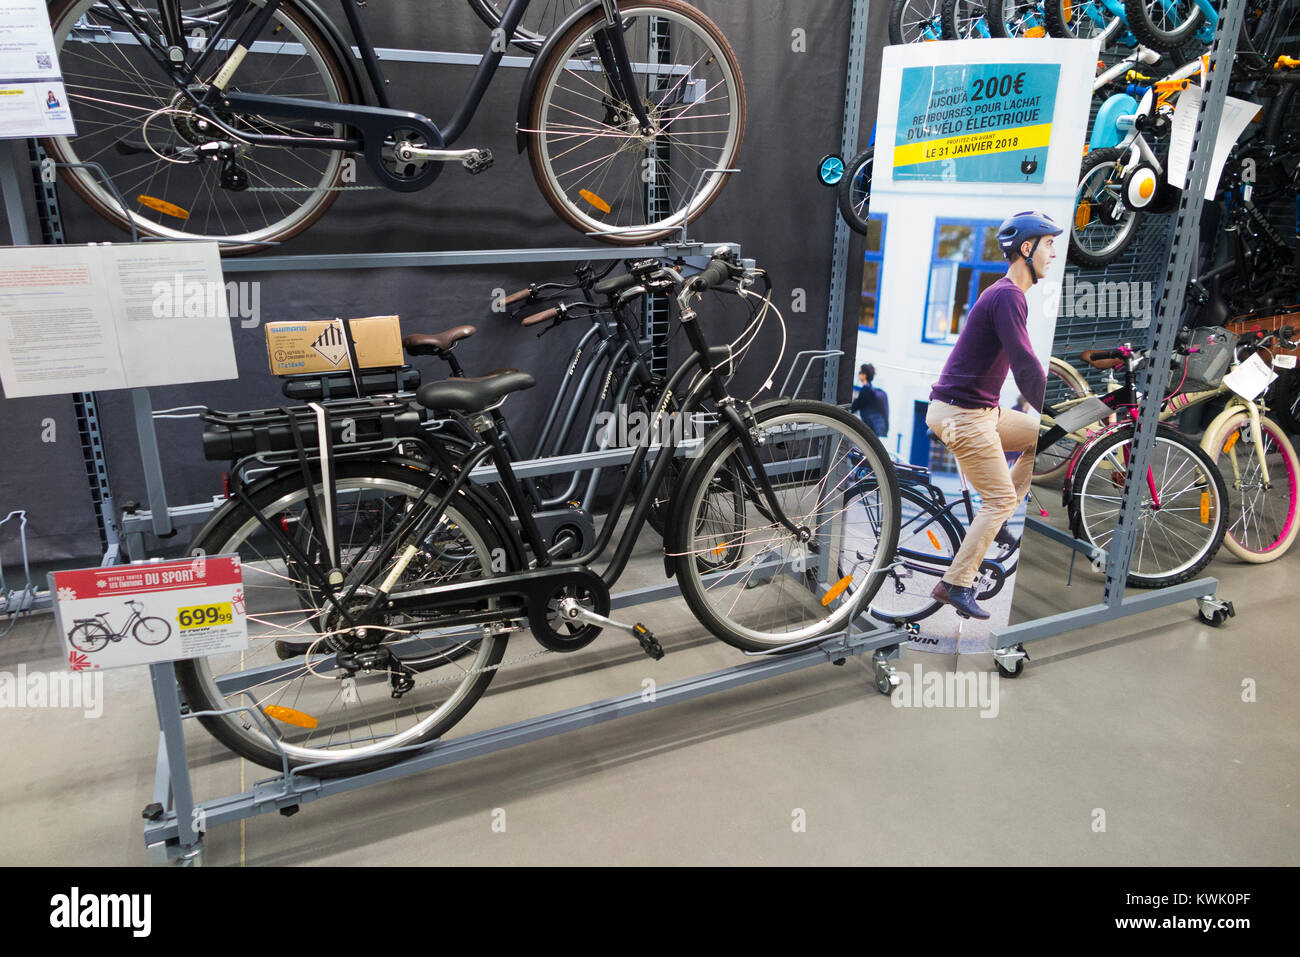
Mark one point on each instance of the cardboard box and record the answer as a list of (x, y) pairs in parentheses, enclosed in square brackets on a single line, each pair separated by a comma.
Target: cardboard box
[(1289, 316), (313, 346)]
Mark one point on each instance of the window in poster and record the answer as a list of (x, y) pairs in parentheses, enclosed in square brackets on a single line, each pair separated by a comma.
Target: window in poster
[(965, 261), (872, 271)]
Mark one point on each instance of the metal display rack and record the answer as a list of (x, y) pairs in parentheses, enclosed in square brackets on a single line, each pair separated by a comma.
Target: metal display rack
[(174, 822)]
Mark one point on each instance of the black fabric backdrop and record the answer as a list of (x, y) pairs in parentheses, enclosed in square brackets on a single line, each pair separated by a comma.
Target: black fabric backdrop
[(775, 208)]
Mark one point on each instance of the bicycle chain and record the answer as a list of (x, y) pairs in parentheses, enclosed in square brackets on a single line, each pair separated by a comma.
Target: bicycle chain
[(478, 671)]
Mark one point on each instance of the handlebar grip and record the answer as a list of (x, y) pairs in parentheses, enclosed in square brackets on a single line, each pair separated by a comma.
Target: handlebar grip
[(520, 296), (542, 316), (714, 275)]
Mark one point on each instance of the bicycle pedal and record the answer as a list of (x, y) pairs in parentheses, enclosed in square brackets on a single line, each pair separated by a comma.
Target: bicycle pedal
[(478, 163), (649, 644)]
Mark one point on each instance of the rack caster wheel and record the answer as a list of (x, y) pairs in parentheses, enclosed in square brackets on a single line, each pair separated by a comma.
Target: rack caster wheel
[(1010, 661), (886, 676), (1214, 611)]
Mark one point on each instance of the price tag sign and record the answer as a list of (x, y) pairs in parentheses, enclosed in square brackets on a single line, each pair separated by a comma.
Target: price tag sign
[(159, 611), (1251, 378)]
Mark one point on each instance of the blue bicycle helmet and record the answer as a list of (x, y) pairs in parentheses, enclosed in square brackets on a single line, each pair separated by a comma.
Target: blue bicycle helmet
[(1023, 226)]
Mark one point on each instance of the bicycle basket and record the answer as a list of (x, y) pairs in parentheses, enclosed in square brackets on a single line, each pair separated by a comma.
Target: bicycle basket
[(1205, 367)]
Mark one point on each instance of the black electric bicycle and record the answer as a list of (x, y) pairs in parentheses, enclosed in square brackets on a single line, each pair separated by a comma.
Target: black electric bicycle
[(416, 580), (95, 634), (232, 119)]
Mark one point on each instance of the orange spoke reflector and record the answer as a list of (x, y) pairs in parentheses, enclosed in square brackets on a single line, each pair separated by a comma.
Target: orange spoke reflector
[(1205, 508), (162, 206), (1232, 440), (1083, 214), (1035, 32), (289, 716), (719, 549), (836, 590), (595, 200), (934, 540)]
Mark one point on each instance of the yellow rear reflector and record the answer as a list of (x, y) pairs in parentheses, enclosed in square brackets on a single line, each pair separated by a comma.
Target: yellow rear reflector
[(1205, 508), (594, 200), (934, 540), (162, 206), (1232, 440), (836, 590), (1035, 32), (1082, 214), (289, 716)]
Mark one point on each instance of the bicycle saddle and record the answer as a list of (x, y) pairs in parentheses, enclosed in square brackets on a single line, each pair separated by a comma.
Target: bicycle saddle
[(473, 395), (1087, 356), (432, 345)]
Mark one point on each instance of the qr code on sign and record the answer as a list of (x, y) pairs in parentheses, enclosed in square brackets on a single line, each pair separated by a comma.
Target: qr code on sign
[(42, 61)]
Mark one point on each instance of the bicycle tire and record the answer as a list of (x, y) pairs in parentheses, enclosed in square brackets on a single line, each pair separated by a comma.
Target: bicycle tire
[(1159, 37), (89, 637), (949, 535), (809, 432), (153, 630), (1006, 19), (1251, 514), (1209, 497), (232, 531), (1078, 252), (963, 20), (687, 208), (1051, 464), (925, 25), (854, 191), (1065, 21), (202, 197), (1284, 401)]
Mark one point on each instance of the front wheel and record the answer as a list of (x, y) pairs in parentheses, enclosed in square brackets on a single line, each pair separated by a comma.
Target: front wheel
[(1182, 515), (786, 583), (854, 191), (963, 20), (152, 631), (928, 541), (1071, 20), (916, 21), (592, 161), (1263, 496), (1163, 25), (1103, 226), (1008, 19)]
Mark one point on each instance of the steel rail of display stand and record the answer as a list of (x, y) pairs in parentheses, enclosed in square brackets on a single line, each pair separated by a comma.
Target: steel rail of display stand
[(1184, 246)]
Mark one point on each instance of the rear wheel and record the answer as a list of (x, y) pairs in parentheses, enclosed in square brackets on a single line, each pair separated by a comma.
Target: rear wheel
[(964, 20), (307, 706), (928, 540), (1264, 509), (781, 586), (1103, 226), (1008, 19), (1073, 20), (89, 636), (592, 162), (1179, 528), (164, 158)]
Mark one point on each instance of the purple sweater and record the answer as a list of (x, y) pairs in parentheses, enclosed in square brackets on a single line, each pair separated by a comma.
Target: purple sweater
[(993, 340)]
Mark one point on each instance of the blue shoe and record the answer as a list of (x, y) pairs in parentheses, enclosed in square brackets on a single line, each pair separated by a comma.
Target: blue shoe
[(961, 599)]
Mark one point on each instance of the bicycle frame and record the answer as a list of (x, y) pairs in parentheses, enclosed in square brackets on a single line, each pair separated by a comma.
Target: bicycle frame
[(374, 122)]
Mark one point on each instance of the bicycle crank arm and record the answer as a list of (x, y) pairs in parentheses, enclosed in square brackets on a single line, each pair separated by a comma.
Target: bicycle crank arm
[(571, 611), (474, 160)]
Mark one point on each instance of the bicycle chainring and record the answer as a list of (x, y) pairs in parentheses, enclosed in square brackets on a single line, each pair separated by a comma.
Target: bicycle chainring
[(555, 634)]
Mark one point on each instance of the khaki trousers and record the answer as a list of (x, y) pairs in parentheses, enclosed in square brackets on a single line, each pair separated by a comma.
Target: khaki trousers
[(979, 438)]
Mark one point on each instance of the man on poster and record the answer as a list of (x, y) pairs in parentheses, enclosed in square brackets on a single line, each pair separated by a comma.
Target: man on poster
[(964, 411)]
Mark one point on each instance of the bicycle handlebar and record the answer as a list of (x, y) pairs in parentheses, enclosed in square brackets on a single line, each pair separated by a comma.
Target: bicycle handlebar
[(715, 274), (520, 296), (545, 314)]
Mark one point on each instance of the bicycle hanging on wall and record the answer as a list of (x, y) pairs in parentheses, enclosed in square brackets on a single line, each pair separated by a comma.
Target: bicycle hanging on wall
[(232, 120)]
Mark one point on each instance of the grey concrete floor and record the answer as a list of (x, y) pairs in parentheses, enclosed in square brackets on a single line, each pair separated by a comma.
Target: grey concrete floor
[(1142, 721)]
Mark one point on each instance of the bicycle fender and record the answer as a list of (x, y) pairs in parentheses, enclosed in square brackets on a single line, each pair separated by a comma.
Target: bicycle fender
[(534, 71), (672, 542), (1104, 131), (360, 93)]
